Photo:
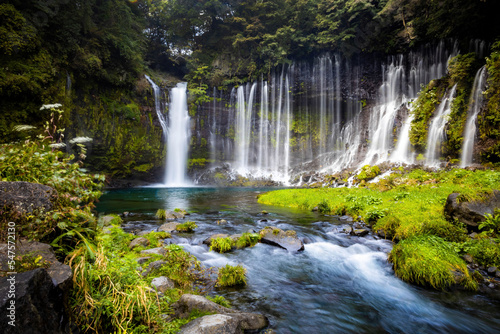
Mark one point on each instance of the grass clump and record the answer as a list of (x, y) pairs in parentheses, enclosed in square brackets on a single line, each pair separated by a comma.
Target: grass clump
[(231, 276), (430, 261), (161, 214), (187, 227), (220, 300), (221, 244), (248, 240)]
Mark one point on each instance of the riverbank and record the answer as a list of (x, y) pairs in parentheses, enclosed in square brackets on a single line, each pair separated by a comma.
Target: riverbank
[(408, 207)]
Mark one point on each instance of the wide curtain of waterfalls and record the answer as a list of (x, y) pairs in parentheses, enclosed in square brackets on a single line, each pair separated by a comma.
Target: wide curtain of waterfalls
[(311, 116), (325, 115)]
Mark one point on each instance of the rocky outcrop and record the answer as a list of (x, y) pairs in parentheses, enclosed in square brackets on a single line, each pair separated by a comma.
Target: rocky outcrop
[(26, 197), (470, 213), (60, 273), (41, 295), (284, 239), (226, 321), (38, 303)]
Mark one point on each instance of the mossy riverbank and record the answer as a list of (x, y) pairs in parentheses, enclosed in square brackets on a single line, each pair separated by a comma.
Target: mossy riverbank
[(408, 208)]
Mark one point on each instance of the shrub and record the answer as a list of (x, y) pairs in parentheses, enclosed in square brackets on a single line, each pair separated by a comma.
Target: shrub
[(221, 245), (231, 276), (374, 215)]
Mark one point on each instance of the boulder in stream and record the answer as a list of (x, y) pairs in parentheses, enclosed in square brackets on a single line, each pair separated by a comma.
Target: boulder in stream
[(285, 239), (168, 227)]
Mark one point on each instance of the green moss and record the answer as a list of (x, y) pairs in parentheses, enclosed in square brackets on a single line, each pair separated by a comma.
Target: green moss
[(368, 172), (430, 261), (247, 240), (422, 109), (489, 121)]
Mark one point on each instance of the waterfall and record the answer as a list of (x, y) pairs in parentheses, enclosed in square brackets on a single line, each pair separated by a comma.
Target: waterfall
[(178, 138), (437, 134), (176, 133), (157, 93), (402, 151), (399, 88), (68, 83), (475, 103), (391, 96), (309, 116)]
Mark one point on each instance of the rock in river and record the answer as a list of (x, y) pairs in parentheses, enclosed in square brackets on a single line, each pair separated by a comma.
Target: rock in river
[(285, 239)]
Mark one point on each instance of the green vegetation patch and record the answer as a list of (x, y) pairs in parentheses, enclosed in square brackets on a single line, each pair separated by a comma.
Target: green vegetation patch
[(231, 276), (188, 227), (409, 206), (221, 244), (430, 261)]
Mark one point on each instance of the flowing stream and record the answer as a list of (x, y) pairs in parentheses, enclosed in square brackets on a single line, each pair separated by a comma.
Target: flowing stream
[(338, 284)]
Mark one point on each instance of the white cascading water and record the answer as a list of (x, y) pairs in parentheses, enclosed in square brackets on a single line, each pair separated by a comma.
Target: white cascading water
[(436, 134), (177, 134), (382, 116), (402, 152), (300, 119), (178, 137), (159, 113), (475, 103)]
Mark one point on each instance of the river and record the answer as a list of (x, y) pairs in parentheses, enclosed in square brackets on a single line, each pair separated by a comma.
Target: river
[(338, 284)]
